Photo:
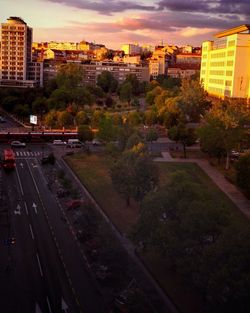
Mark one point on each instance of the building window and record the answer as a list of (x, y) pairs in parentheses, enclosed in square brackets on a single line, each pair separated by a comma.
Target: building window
[(228, 83), (230, 53), (231, 43), (229, 73), (230, 63)]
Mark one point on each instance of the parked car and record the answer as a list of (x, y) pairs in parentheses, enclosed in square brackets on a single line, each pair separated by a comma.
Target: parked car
[(59, 142), (17, 144), (96, 142), (73, 204)]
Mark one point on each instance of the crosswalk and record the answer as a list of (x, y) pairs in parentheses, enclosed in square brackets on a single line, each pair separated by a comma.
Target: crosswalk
[(23, 154)]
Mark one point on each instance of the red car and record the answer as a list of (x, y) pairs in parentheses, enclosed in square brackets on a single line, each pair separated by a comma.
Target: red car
[(73, 204)]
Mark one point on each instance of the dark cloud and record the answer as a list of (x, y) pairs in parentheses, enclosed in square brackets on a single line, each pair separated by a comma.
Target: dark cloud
[(237, 7), (105, 7)]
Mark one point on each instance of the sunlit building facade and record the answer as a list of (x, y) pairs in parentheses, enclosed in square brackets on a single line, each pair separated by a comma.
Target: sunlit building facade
[(16, 55), (225, 64)]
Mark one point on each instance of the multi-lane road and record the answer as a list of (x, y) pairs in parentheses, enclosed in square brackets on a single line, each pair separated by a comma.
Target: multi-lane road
[(42, 268)]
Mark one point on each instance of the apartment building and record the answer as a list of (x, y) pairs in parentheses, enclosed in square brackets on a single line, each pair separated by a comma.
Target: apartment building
[(92, 69), (225, 64), (16, 55), (131, 49), (157, 63), (117, 69)]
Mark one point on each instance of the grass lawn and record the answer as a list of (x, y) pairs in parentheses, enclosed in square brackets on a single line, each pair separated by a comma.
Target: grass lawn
[(93, 171)]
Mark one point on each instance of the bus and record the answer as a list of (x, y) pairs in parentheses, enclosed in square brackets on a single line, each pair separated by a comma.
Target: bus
[(8, 160)]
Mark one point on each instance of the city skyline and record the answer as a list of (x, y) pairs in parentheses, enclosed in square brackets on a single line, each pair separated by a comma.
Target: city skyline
[(116, 22)]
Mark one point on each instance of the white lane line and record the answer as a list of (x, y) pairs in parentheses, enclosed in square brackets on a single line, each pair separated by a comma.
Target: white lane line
[(33, 179), (26, 208), (19, 181), (39, 264), (49, 305), (31, 231)]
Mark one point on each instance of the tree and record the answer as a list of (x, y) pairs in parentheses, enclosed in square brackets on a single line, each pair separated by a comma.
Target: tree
[(243, 172), (134, 118), (65, 119), (40, 106), (193, 100), (107, 82), (151, 135), (135, 84), (70, 75), (125, 92), (85, 133), (150, 117), (133, 140), (226, 123), (95, 119), (134, 175), (51, 118), (81, 118), (180, 133), (106, 130)]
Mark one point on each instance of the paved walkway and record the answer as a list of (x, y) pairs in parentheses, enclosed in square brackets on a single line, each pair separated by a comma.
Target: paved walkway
[(229, 189)]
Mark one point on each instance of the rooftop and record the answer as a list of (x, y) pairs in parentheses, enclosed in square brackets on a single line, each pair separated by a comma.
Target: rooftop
[(232, 31)]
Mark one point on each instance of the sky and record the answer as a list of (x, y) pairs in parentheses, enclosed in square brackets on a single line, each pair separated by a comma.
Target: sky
[(115, 22)]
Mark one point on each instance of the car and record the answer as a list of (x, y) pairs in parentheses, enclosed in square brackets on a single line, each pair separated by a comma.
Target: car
[(59, 142), (96, 142), (73, 204), (18, 144)]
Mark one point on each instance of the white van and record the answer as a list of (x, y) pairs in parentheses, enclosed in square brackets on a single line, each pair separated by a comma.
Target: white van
[(74, 143), (59, 142)]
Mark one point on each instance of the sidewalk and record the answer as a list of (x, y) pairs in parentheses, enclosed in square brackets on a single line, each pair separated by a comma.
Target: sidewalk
[(229, 189)]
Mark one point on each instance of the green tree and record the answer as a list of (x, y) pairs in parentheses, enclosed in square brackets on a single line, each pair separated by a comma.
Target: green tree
[(135, 84), (151, 135), (180, 133), (51, 119), (40, 106), (107, 82), (95, 118), (70, 75), (134, 175), (226, 122), (65, 119), (125, 92), (106, 130), (194, 101), (243, 172), (85, 133), (150, 117), (81, 118), (134, 118)]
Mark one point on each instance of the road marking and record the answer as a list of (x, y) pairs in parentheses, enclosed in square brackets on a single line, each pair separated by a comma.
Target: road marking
[(39, 264), (49, 305), (34, 206), (26, 208), (38, 310), (18, 210), (64, 306), (31, 231), (19, 181)]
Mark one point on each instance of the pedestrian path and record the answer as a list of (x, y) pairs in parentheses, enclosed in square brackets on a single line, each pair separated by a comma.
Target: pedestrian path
[(229, 189), (24, 154)]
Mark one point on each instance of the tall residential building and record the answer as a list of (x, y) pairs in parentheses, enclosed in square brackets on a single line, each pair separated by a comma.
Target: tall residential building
[(225, 64), (16, 55)]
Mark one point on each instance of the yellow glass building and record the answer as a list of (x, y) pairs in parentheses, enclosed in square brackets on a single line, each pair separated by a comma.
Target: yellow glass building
[(225, 64)]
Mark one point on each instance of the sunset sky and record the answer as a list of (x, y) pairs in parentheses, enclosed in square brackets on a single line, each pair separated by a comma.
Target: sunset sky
[(113, 22)]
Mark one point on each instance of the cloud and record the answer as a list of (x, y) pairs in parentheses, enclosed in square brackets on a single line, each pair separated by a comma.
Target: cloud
[(237, 7), (105, 7)]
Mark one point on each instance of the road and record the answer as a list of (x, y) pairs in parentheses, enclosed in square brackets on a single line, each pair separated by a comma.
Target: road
[(44, 270)]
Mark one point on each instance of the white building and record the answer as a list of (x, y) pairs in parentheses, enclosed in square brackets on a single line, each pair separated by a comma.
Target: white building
[(131, 49)]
